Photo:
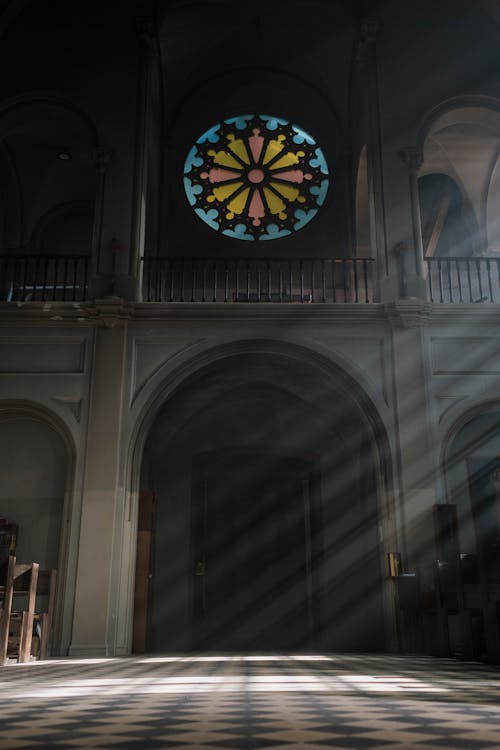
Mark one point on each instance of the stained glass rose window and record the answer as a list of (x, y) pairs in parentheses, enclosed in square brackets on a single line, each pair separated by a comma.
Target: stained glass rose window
[(256, 177)]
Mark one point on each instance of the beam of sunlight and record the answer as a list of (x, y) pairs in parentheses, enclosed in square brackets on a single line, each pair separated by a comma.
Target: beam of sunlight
[(237, 683)]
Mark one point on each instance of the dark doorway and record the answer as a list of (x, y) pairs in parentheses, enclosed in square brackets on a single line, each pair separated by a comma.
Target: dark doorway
[(253, 551), (266, 518)]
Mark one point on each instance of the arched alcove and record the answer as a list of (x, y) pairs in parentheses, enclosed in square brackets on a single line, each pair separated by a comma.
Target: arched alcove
[(37, 458), (34, 472), (50, 145), (472, 465), (251, 65), (271, 451), (461, 139), (448, 224)]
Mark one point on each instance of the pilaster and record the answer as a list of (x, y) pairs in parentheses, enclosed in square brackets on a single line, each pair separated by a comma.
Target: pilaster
[(147, 53), (367, 59), (417, 470), (100, 488)]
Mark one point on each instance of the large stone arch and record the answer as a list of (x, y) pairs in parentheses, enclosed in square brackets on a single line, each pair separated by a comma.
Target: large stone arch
[(326, 376), (17, 111)]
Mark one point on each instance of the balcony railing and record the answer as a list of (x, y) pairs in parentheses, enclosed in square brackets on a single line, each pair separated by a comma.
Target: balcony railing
[(40, 278), (311, 280), (43, 278), (463, 279)]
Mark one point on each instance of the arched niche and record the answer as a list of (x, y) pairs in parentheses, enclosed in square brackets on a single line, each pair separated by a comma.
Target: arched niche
[(257, 90), (449, 227), (35, 469), (472, 463), (36, 475), (258, 64), (462, 140), (281, 435), (50, 145)]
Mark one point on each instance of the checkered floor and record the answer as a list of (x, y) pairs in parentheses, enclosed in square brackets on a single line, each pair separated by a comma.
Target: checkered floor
[(225, 702)]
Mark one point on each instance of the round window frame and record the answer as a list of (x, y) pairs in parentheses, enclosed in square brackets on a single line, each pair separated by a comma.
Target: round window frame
[(297, 167)]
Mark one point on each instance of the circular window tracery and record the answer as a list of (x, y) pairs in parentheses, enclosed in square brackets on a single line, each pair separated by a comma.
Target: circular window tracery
[(256, 177)]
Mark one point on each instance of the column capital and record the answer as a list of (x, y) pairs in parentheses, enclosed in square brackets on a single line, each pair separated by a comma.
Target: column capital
[(101, 157), (413, 158)]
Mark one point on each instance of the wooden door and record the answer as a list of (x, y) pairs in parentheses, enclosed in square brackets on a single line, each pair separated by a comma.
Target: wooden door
[(252, 567), (143, 571)]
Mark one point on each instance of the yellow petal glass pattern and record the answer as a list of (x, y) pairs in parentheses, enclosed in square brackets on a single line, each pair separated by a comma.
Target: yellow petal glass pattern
[(287, 160), (237, 205), (237, 146), (223, 192), (287, 191), (225, 159), (274, 148)]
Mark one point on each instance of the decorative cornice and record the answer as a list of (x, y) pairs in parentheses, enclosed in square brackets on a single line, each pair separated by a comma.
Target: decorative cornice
[(409, 313), (109, 312), (113, 310)]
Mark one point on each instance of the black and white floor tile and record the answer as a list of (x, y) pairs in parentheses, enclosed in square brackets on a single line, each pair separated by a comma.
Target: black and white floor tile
[(250, 702)]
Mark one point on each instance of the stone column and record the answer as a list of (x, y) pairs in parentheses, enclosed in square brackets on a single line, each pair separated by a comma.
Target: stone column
[(100, 489), (413, 159), (418, 460), (367, 60), (147, 53)]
